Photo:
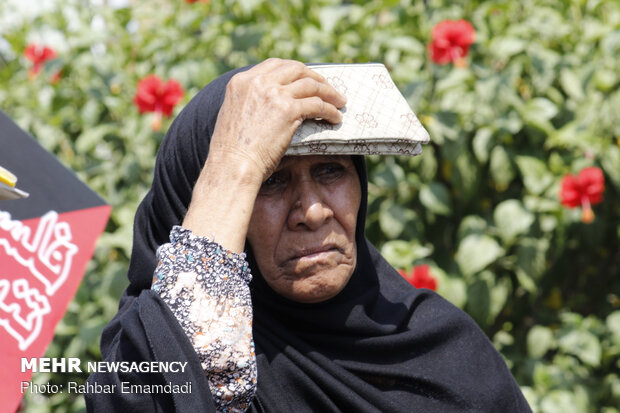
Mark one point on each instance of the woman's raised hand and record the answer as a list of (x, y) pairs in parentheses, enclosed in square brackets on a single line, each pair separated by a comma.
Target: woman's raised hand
[(261, 111), (264, 106)]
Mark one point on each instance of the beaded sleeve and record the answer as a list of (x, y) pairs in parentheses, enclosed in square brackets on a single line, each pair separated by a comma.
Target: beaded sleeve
[(207, 289)]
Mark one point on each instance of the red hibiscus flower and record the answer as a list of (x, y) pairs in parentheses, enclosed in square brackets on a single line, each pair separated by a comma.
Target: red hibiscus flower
[(450, 41), (38, 55), (158, 97), (585, 189), (420, 277)]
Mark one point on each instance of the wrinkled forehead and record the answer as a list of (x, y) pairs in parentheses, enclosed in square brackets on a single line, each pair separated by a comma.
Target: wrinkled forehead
[(291, 159)]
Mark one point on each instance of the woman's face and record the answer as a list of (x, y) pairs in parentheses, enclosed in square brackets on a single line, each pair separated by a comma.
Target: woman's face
[(302, 230)]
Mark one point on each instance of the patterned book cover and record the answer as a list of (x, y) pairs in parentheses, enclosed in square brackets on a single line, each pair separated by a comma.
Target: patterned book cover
[(376, 118)]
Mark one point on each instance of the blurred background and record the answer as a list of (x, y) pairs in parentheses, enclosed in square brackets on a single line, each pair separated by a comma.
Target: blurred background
[(511, 213)]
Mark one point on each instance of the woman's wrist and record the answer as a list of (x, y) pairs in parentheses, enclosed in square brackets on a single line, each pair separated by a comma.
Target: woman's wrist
[(223, 200)]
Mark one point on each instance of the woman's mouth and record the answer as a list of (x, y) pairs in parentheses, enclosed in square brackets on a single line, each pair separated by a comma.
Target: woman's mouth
[(313, 253)]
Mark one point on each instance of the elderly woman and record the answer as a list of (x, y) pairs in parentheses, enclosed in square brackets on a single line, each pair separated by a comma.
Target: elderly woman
[(315, 320)]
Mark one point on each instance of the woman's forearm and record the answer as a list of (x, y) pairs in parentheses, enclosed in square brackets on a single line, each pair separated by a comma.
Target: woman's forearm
[(223, 200)]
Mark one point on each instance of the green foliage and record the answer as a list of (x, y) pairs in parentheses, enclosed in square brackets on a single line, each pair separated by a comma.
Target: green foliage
[(538, 99)]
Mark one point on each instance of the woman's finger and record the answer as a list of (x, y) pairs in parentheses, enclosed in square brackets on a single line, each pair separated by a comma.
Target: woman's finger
[(308, 87), (288, 71), (316, 108), (267, 65)]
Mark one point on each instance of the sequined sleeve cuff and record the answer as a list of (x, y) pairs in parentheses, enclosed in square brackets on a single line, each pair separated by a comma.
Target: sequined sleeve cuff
[(207, 289)]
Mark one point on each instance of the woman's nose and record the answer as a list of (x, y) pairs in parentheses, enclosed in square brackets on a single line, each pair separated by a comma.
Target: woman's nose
[(308, 210)]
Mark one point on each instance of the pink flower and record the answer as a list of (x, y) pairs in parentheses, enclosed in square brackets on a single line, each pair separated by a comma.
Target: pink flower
[(158, 97), (585, 189), (38, 55), (450, 41), (420, 277)]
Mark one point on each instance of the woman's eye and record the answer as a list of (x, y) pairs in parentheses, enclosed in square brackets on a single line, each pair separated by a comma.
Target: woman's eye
[(330, 171), (273, 182)]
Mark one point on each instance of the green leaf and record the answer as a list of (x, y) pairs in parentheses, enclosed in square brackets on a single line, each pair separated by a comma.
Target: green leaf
[(388, 175), (479, 301), (471, 224), (454, 79), (505, 47), (91, 113), (466, 176), (610, 161), (503, 338), (424, 166), (544, 66), (559, 401), (476, 252), (536, 176), (613, 324), (452, 289), (530, 395), (611, 43), (541, 108), (482, 144), (541, 204), (330, 17), (510, 122), (526, 281), (402, 254), (605, 79), (502, 170), (393, 218), (538, 112), (539, 341), (486, 297), (443, 125), (249, 6), (500, 291), (531, 261), (582, 344), (571, 84), (512, 219), (92, 136), (436, 198)]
